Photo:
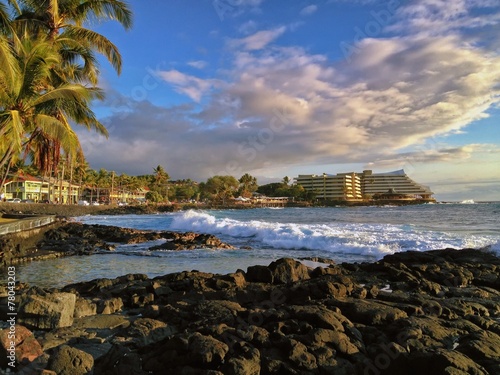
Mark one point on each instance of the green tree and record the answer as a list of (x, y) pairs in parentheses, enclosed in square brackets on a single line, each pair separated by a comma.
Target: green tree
[(248, 184), (270, 190), (31, 110), (47, 57), (221, 188), (62, 23), (161, 178), (154, 196)]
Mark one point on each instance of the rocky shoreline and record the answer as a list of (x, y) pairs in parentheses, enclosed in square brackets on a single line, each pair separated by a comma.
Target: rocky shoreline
[(74, 238), (433, 312)]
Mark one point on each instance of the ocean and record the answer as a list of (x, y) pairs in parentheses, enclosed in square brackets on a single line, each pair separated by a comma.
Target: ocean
[(344, 234)]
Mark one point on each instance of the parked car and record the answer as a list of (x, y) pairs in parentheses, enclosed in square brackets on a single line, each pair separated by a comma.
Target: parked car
[(83, 203), (122, 203), (14, 200), (27, 201), (46, 201), (95, 203)]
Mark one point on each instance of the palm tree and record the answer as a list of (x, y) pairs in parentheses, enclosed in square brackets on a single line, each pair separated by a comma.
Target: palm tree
[(161, 178), (61, 21), (248, 185), (32, 110), (46, 58)]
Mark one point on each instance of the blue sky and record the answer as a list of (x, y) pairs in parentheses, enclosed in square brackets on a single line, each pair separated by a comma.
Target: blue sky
[(281, 88)]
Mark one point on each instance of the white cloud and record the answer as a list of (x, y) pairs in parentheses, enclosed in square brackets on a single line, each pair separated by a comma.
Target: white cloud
[(437, 17), (199, 64), (282, 106), (257, 41), (248, 27), (191, 86), (308, 10)]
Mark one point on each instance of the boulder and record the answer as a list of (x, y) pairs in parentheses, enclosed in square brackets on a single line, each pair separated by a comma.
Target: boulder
[(147, 331), (84, 307), (247, 362), (204, 350), (24, 346), (109, 306), (43, 310), (300, 357), (70, 361), (287, 270), (259, 274)]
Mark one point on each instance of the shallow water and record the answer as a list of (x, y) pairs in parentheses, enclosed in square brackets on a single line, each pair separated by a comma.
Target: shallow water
[(345, 234)]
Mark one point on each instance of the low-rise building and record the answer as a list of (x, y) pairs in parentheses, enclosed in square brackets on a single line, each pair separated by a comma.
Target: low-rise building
[(28, 187)]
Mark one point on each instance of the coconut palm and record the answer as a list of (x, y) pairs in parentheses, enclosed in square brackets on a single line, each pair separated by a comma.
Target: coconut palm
[(62, 22), (35, 114)]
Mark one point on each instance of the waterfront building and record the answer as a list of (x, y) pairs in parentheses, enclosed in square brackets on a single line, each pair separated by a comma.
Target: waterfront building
[(354, 186), (27, 187), (397, 182), (342, 186)]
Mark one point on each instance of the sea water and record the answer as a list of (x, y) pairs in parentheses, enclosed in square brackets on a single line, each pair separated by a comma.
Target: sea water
[(344, 234)]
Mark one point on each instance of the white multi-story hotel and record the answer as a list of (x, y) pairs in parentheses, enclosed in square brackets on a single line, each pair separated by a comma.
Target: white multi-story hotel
[(367, 185)]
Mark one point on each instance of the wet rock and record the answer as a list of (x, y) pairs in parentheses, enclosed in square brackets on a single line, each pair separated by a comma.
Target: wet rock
[(43, 310), (191, 241), (70, 361), (84, 239)]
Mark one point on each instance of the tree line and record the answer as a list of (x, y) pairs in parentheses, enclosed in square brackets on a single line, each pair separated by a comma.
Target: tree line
[(49, 77)]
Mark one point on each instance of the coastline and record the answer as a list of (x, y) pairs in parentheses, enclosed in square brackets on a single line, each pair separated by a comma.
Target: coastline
[(406, 313), (410, 312), (68, 211)]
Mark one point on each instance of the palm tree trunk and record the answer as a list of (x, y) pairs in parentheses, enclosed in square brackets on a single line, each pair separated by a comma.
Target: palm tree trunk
[(4, 177), (70, 198)]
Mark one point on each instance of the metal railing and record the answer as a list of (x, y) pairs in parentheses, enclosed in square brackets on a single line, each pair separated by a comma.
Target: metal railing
[(26, 223)]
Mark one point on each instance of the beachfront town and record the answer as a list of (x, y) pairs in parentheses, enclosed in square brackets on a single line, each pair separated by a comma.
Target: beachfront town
[(158, 188)]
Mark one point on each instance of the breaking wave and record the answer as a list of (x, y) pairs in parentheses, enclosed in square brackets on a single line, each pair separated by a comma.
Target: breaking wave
[(334, 237)]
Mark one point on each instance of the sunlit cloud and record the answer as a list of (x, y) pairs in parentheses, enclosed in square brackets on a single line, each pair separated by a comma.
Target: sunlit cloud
[(186, 84), (283, 106), (257, 41)]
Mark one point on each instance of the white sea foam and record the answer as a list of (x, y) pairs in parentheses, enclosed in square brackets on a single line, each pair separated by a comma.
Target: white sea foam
[(337, 237)]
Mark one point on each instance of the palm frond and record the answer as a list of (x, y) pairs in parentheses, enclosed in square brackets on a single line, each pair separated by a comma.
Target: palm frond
[(96, 41), (115, 10)]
